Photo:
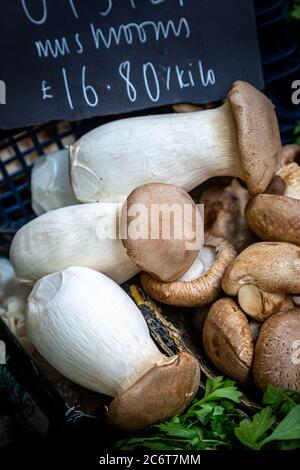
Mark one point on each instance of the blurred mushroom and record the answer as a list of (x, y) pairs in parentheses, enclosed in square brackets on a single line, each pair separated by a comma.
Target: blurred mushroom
[(255, 327), (224, 213), (276, 217), (275, 360), (228, 340), (289, 154), (51, 184), (192, 108), (163, 230), (261, 276), (201, 284)]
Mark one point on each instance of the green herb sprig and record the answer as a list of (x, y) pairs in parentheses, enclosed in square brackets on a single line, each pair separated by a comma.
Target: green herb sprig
[(214, 422)]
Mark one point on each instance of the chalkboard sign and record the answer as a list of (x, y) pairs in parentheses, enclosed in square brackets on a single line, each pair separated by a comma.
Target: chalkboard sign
[(74, 59)]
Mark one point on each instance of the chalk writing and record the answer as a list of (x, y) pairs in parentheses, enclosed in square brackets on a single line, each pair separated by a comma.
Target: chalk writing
[(55, 48), (72, 59), (138, 32)]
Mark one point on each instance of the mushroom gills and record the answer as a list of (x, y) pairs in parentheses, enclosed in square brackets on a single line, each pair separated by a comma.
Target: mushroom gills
[(201, 265)]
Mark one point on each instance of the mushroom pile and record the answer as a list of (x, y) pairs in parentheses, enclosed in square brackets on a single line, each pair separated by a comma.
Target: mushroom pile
[(95, 229), (264, 285)]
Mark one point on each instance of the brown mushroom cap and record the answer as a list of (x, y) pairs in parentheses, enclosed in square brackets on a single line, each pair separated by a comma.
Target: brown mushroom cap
[(273, 267), (228, 340), (275, 360), (258, 135), (224, 213), (275, 218), (198, 292), (165, 258), (163, 392), (259, 304)]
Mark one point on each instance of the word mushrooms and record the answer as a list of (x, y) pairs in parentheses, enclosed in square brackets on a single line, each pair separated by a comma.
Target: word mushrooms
[(240, 138), (262, 275), (83, 235), (276, 217), (90, 330)]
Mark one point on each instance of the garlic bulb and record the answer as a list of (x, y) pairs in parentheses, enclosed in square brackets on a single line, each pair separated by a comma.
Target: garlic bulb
[(90, 330), (82, 235)]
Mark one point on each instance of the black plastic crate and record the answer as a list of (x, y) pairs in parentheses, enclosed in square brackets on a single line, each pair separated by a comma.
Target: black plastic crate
[(20, 149)]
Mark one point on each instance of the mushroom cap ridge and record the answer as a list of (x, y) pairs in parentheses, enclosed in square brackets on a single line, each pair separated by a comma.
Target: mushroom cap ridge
[(199, 292), (258, 135)]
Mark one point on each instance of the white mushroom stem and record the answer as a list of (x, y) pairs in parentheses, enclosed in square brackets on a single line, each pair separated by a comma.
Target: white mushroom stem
[(82, 235), (90, 330), (51, 184), (257, 303), (182, 149), (290, 174), (201, 265)]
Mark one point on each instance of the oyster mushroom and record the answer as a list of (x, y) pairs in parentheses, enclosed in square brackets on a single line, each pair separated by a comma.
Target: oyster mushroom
[(201, 284), (162, 230), (261, 276), (83, 235), (276, 357), (228, 340), (240, 138), (106, 347), (224, 213), (276, 217)]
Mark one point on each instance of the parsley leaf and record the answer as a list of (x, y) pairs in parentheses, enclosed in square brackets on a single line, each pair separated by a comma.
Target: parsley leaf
[(288, 429), (251, 432)]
